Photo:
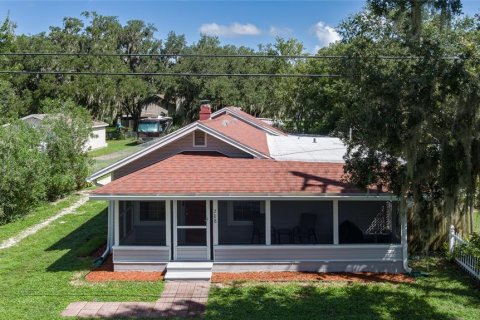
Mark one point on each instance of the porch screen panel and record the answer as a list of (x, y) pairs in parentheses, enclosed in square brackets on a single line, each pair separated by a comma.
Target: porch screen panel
[(241, 222), (368, 222), (142, 223), (302, 222)]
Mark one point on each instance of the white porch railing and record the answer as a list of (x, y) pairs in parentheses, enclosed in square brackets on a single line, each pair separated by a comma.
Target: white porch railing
[(467, 262)]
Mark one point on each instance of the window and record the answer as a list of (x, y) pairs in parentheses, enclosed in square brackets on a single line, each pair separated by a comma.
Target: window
[(241, 222), (199, 139), (152, 211), (241, 213), (150, 126)]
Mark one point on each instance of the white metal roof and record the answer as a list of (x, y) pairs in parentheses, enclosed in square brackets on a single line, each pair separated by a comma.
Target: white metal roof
[(306, 148)]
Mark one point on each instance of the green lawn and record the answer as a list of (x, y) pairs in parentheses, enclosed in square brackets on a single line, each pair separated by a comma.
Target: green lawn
[(114, 146), (447, 293), (42, 274), (41, 213)]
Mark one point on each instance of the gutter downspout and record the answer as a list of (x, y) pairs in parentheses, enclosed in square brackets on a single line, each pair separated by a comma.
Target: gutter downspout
[(100, 260)]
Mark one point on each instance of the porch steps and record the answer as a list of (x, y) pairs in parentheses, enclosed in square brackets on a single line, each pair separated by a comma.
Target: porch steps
[(189, 271)]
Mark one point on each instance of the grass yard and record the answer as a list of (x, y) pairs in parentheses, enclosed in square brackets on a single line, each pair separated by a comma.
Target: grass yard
[(42, 274), (41, 213), (114, 146), (447, 293)]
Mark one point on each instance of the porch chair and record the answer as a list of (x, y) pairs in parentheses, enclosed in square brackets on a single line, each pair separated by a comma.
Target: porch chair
[(306, 228), (258, 230)]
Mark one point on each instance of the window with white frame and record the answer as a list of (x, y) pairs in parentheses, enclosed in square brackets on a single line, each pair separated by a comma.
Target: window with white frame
[(241, 223), (199, 138), (241, 213)]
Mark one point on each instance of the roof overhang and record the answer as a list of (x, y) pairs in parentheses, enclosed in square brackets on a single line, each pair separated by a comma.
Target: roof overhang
[(100, 125), (250, 196)]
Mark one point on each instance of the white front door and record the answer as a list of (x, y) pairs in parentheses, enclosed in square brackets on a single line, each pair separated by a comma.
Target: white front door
[(191, 227)]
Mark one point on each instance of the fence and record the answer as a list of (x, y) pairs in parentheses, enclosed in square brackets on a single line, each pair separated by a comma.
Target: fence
[(467, 262)]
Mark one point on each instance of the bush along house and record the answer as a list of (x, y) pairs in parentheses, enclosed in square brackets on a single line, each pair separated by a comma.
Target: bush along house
[(231, 193)]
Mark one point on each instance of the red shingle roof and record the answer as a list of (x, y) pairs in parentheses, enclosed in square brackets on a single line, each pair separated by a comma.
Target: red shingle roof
[(253, 119), (212, 173), (240, 131)]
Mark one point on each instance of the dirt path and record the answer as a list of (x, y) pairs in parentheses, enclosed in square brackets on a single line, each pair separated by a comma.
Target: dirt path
[(10, 242)]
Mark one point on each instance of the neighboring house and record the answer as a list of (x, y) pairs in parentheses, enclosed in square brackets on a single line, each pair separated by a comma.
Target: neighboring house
[(151, 110), (96, 140), (234, 191)]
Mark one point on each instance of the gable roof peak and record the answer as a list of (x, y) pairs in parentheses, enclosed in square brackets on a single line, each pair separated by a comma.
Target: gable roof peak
[(238, 113)]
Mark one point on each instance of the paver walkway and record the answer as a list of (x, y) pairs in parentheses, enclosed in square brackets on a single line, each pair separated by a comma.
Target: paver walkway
[(178, 299)]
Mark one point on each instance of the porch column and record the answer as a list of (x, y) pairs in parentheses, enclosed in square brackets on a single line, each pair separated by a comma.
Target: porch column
[(207, 221), (175, 233), (268, 223), (110, 227), (117, 222), (168, 214), (335, 222), (215, 222)]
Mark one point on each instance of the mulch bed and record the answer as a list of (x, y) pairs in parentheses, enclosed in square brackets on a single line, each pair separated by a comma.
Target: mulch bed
[(285, 276), (105, 273)]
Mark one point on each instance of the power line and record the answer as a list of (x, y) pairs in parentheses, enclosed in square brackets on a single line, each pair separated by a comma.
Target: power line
[(213, 56), (174, 74)]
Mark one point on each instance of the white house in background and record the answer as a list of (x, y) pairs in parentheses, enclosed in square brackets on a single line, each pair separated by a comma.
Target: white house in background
[(96, 140), (231, 193)]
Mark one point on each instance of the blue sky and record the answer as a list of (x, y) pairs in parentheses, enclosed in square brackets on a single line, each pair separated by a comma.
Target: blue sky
[(236, 22)]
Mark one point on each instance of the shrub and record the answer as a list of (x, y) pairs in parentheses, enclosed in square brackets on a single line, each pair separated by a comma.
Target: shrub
[(471, 247), (65, 133), (23, 168)]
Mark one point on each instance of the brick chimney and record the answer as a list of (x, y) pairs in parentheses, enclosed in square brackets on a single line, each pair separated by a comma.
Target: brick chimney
[(205, 110)]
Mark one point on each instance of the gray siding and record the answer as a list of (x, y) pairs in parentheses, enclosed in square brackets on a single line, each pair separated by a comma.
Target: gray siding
[(192, 253), (158, 267), (324, 266), (140, 254), (178, 146), (301, 253)]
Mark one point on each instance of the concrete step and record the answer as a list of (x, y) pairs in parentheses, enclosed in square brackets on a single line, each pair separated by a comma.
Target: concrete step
[(189, 266), (189, 271), (188, 275)]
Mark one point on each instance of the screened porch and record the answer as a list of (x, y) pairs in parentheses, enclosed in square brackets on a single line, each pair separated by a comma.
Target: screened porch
[(290, 222)]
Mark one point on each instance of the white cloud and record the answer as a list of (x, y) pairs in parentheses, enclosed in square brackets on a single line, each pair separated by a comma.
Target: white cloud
[(233, 30), (325, 34), (280, 32)]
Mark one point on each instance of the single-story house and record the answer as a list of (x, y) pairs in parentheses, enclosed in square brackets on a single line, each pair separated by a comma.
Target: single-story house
[(96, 140), (242, 195)]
